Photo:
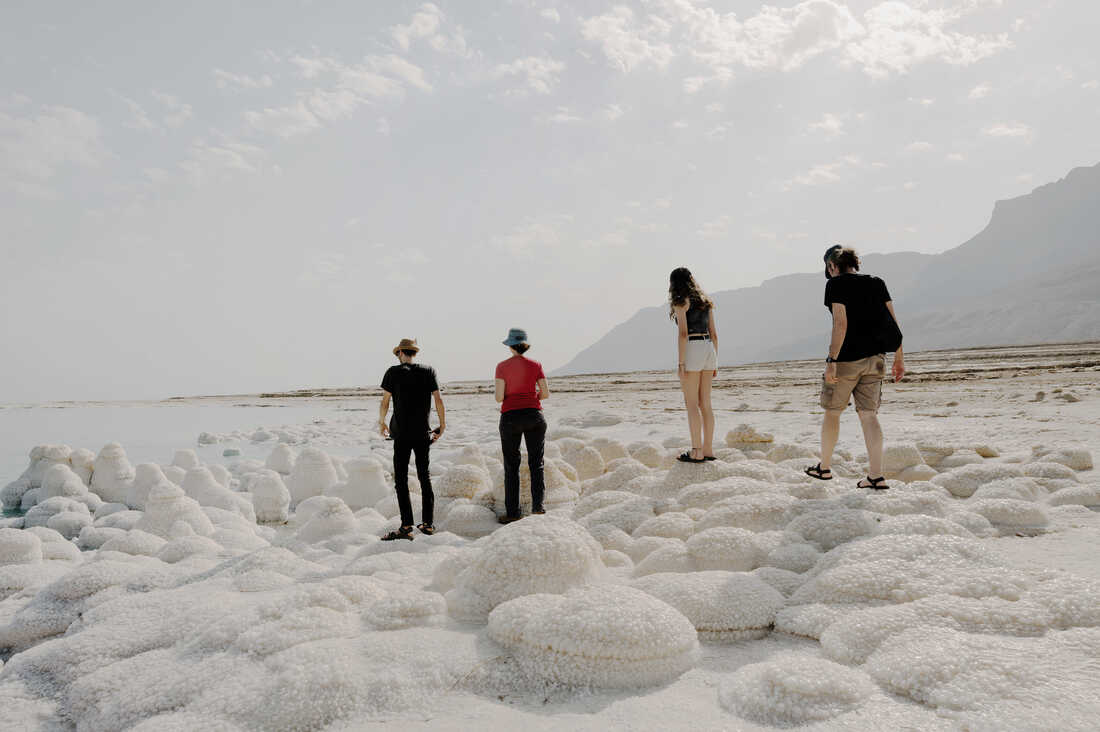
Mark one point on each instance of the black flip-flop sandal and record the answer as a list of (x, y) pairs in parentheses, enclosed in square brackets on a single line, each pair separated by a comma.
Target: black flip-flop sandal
[(708, 458), (426, 529), (685, 457), (405, 532), (816, 472), (878, 484)]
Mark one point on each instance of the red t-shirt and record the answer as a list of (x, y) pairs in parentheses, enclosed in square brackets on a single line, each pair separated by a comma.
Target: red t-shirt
[(521, 377)]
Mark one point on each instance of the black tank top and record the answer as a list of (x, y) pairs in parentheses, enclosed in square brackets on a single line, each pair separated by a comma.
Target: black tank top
[(698, 320)]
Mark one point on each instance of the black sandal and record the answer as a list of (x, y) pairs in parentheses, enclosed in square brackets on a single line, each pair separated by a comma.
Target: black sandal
[(874, 483), (816, 472), (426, 529), (708, 458), (405, 532), (685, 457)]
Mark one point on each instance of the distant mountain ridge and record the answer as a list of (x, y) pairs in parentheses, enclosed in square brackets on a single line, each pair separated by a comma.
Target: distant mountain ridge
[(1032, 275)]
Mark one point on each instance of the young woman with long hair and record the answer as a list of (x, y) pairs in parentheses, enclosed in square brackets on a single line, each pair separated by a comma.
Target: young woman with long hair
[(697, 365)]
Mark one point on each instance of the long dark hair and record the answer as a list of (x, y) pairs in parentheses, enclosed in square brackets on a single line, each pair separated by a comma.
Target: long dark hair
[(683, 289)]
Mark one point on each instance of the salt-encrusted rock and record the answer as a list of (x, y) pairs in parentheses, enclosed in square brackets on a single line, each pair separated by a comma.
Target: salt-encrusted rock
[(1020, 489), (1050, 474), (329, 517), (146, 475), (792, 689), (1010, 513), (1078, 459), (1078, 495), (41, 513), (186, 459), (962, 482), (125, 520), (796, 557), (617, 478), (831, 528), (19, 547), (470, 520), (174, 474), (55, 546), (539, 554), (472, 455), (365, 484), (671, 555), (810, 620), (745, 437), (587, 461), (313, 473), (627, 514), (69, 523), (725, 548), (723, 606), (82, 461), (916, 473), (783, 451), (649, 454), (608, 636), (673, 524), (934, 452), (609, 449), (919, 524), (165, 505), (12, 494), (135, 542), (60, 480), (987, 451), (270, 497), (959, 458), (463, 481), (221, 475), (281, 459), (201, 485), (112, 474), (896, 458), (681, 474), (43, 458), (755, 512)]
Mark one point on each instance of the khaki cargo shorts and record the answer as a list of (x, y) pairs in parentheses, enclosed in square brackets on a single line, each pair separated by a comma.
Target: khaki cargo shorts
[(859, 379)]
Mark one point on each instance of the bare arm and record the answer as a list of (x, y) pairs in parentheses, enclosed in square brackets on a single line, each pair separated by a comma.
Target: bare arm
[(500, 390), (899, 357), (544, 390), (840, 328), (713, 329), (383, 409), (681, 335), (441, 413)]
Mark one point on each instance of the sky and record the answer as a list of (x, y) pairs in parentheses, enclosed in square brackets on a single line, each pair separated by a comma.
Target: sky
[(234, 197)]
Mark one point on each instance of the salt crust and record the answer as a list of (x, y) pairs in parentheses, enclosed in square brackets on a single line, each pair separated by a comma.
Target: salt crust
[(1080, 495), (674, 525), (963, 482), (723, 606), (1078, 459), (757, 512), (312, 475), (707, 494), (365, 484), (744, 435), (649, 454), (609, 636), (463, 481), (793, 689), (166, 505), (794, 557), (586, 460), (200, 484), (112, 474), (270, 497), (538, 554), (281, 459), (627, 514), (831, 528), (1020, 489), (619, 475), (1011, 513)]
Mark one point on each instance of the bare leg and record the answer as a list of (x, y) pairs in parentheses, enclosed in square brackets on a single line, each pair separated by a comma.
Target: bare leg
[(830, 432), (872, 436), (690, 386), (706, 411)]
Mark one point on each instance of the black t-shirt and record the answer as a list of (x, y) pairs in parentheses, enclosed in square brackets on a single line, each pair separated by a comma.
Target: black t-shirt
[(863, 298), (411, 385)]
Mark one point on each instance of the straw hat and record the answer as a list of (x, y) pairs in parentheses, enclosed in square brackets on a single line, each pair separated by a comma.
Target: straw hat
[(406, 344)]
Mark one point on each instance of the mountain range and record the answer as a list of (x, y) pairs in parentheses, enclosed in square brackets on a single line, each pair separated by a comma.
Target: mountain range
[(1032, 275)]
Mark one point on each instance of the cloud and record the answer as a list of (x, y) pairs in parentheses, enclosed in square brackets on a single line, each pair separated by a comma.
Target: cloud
[(228, 81), (981, 91), (955, 157), (923, 101), (550, 14), (823, 173), (831, 124), (715, 228), (1007, 129), (287, 121), (36, 146), (1090, 85), (139, 119), (399, 68), (540, 234), (540, 74), (611, 112), (209, 162), (920, 146), (425, 25), (173, 112), (563, 115), (177, 112), (626, 43)]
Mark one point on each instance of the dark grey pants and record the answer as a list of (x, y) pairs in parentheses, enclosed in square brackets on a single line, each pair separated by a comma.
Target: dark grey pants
[(527, 425), (402, 450)]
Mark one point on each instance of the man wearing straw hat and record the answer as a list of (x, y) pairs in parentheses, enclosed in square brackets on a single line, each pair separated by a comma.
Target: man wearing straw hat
[(412, 387)]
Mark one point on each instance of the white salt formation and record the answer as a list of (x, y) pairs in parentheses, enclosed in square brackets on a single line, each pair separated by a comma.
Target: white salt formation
[(794, 689), (365, 484), (281, 459), (609, 636), (463, 481), (312, 475), (199, 484), (112, 474), (723, 606), (270, 497)]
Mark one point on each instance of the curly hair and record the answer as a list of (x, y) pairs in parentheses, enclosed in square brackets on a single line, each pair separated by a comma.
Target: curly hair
[(683, 289), (845, 259)]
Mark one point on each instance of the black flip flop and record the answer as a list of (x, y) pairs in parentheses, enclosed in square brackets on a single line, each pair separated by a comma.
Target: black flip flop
[(815, 471), (874, 483), (685, 457), (708, 458), (405, 532)]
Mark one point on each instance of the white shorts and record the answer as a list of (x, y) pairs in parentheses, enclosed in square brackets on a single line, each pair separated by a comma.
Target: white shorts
[(700, 356)]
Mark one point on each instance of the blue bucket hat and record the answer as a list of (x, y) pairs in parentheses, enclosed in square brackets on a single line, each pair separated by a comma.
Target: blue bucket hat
[(515, 337)]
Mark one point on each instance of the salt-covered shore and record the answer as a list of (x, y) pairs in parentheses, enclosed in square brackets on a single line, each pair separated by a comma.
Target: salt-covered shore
[(251, 592)]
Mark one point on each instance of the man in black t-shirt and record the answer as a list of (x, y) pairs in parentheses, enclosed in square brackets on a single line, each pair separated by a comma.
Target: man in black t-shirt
[(412, 388), (863, 323)]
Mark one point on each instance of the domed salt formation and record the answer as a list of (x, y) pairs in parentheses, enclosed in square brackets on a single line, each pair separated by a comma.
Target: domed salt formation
[(1079, 495), (312, 475), (364, 486), (617, 478), (1010, 514), (723, 606), (135, 542), (199, 484), (112, 474), (586, 460), (463, 481), (745, 437), (59, 480), (649, 454), (281, 459), (469, 520), (270, 497), (471, 455), (725, 548), (625, 513), (681, 474), (1078, 459), (755, 512), (607, 636), (327, 517), (165, 505), (674, 524), (793, 689), (537, 554), (19, 547), (963, 482), (186, 459), (83, 463), (559, 489), (146, 475)]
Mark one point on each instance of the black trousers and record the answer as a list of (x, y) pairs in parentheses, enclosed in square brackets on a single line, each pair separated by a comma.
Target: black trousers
[(527, 425), (402, 449)]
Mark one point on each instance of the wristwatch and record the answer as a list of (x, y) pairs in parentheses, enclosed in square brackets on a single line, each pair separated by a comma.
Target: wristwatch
[(830, 359)]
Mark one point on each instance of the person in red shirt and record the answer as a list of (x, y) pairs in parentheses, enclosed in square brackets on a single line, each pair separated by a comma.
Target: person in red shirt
[(520, 389)]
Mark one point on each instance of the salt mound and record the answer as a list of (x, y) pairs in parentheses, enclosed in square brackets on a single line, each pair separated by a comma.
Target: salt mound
[(1010, 513), (609, 449), (1074, 458), (706, 495), (919, 524), (782, 451), (960, 458), (60, 480), (270, 497), (463, 481), (365, 485), (83, 462), (1081, 495), (681, 474), (329, 517), (673, 524), (586, 460), (745, 437), (625, 470), (112, 474), (756, 512), (723, 606), (166, 505), (627, 514), (1020, 489), (606, 636), (281, 459), (649, 454), (793, 689), (174, 474), (470, 520), (538, 554), (725, 548), (592, 418), (201, 485), (312, 475), (472, 455), (146, 475), (135, 542), (19, 547), (830, 528), (963, 482), (183, 547), (186, 459)]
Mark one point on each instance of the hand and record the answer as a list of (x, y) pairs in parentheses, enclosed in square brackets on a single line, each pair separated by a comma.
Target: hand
[(715, 373), (681, 371), (438, 432), (383, 429), (899, 370), (830, 373)]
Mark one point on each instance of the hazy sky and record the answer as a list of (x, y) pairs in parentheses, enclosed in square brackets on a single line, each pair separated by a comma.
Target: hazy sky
[(226, 197)]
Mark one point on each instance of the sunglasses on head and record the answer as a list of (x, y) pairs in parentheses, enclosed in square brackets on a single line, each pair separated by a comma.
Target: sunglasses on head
[(408, 351)]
